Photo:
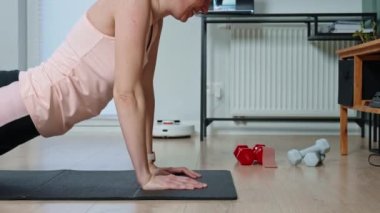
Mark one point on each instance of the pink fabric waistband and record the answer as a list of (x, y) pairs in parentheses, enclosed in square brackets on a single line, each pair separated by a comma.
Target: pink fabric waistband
[(11, 105)]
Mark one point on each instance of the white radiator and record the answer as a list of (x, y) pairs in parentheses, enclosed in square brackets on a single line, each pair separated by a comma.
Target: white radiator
[(276, 71)]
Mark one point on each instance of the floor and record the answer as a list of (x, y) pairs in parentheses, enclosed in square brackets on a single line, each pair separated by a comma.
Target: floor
[(342, 184)]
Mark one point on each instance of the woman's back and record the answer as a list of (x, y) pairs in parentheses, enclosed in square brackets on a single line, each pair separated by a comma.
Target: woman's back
[(74, 84)]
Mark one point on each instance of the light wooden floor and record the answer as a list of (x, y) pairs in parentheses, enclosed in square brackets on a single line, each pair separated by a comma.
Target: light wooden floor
[(343, 184)]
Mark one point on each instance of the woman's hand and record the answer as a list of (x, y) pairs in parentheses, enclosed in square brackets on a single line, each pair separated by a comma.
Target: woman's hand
[(154, 170), (165, 178), (162, 182)]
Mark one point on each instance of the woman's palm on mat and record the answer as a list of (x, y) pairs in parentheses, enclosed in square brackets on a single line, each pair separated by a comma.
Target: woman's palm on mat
[(162, 182), (166, 178)]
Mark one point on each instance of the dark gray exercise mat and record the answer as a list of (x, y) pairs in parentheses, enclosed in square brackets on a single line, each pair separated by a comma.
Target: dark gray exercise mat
[(105, 185)]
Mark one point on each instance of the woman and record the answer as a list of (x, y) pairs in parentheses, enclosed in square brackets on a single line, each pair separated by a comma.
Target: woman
[(110, 53)]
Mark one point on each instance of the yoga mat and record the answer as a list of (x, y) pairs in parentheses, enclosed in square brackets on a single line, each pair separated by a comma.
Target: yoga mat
[(105, 185)]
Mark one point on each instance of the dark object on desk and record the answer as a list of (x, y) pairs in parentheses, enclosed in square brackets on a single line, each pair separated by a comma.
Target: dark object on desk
[(346, 83), (241, 7), (375, 102), (374, 139), (105, 185), (370, 75)]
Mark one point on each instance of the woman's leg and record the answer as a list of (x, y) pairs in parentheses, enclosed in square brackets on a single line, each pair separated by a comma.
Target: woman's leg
[(16, 126), (11, 104)]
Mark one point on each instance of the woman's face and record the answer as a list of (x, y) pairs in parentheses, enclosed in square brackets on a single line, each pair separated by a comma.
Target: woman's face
[(184, 9)]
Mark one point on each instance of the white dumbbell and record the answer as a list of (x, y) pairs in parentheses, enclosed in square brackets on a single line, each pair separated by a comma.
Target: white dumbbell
[(313, 159), (321, 146)]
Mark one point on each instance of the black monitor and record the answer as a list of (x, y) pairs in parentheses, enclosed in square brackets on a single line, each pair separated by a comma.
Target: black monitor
[(225, 7)]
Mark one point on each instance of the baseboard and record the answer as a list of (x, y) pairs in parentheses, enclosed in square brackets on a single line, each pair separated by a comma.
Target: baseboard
[(282, 128), (243, 128)]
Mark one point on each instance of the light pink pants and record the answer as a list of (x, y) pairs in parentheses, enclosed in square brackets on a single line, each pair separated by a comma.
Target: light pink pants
[(11, 105)]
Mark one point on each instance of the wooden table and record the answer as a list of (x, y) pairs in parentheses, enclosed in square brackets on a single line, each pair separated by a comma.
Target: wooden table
[(369, 51)]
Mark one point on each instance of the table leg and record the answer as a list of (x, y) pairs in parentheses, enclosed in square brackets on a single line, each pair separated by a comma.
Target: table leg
[(203, 79), (343, 131)]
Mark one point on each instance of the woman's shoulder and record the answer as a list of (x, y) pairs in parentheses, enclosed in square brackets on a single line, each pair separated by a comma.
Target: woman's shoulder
[(101, 15)]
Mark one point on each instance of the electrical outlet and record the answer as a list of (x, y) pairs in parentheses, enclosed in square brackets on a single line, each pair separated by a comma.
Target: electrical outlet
[(215, 89), (218, 90)]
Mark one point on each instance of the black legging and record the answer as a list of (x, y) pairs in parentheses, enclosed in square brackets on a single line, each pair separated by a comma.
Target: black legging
[(18, 131)]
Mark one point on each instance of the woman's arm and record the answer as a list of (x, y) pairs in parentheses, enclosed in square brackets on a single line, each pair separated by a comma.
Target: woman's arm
[(149, 88), (150, 107), (131, 26)]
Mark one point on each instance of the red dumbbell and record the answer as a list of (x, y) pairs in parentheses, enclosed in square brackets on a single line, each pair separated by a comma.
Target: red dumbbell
[(244, 155), (247, 156), (257, 151)]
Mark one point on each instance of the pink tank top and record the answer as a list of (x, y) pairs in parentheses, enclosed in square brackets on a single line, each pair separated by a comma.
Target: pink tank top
[(75, 84)]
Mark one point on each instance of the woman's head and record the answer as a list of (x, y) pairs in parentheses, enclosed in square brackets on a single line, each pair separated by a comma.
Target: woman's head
[(181, 9)]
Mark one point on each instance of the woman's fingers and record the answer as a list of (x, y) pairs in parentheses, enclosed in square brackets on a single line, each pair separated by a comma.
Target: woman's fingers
[(187, 180), (173, 182), (179, 182)]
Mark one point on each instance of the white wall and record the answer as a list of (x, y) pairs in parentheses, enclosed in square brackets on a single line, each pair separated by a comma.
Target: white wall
[(178, 70), (177, 80), (12, 34), (8, 31), (57, 18)]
